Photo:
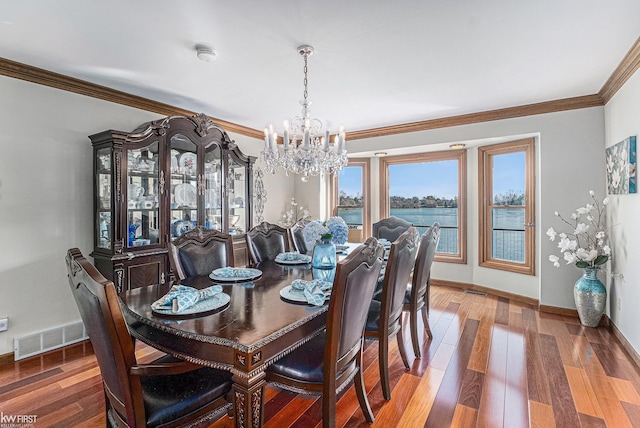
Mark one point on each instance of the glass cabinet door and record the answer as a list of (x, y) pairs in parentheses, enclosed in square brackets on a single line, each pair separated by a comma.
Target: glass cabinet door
[(143, 203), (104, 204), (184, 185), (213, 187), (237, 198)]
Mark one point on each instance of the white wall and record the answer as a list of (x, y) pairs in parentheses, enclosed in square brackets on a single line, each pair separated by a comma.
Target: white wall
[(569, 163), (46, 196), (622, 119), (279, 188)]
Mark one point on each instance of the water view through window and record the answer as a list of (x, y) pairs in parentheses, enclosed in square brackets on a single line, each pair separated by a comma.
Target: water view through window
[(507, 218), (418, 197), (507, 212)]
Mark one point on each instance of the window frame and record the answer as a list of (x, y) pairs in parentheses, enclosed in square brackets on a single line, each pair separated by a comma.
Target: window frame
[(366, 192), (485, 205), (461, 157)]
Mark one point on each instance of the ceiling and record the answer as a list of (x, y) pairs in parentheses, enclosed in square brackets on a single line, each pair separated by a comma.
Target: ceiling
[(376, 62)]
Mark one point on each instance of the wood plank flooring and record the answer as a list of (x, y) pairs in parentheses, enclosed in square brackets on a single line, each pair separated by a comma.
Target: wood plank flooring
[(492, 362)]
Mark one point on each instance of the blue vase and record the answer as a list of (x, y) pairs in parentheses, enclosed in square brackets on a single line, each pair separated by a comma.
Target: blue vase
[(327, 275), (590, 295), (324, 255), (132, 234)]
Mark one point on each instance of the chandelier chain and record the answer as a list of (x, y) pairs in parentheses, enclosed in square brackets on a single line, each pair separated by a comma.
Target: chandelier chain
[(306, 93)]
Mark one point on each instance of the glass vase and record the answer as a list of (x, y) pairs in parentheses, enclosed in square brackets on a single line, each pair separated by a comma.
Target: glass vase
[(324, 255), (590, 295)]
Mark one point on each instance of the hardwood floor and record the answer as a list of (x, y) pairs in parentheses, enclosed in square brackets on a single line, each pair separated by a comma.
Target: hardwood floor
[(492, 362)]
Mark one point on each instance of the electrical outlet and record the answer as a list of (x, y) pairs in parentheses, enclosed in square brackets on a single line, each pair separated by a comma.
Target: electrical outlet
[(618, 305), (4, 324)]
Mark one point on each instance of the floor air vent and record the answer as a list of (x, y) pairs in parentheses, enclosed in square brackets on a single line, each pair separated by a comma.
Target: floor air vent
[(479, 293), (37, 343)]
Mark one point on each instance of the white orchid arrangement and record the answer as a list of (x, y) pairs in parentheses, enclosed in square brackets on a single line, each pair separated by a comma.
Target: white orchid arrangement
[(295, 214), (587, 245)]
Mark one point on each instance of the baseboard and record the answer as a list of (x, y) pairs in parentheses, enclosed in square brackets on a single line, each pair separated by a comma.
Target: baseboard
[(558, 311), (626, 346), (487, 290), (6, 359), (605, 321)]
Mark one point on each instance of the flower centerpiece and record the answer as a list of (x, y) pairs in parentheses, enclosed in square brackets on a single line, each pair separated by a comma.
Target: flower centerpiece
[(334, 229), (325, 234), (585, 246)]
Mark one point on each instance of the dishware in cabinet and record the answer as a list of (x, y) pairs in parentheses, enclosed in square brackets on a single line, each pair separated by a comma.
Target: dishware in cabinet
[(238, 193), (142, 195)]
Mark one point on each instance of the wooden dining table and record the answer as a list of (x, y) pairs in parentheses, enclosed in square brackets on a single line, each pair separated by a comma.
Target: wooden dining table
[(255, 329)]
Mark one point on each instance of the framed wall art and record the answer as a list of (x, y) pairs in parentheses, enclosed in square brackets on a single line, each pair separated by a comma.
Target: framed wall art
[(621, 167)]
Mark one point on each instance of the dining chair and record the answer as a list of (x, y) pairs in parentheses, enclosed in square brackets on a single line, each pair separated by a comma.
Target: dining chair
[(297, 237), (199, 252), (389, 228), (417, 295), (328, 362), (265, 241), (384, 318), (166, 392)]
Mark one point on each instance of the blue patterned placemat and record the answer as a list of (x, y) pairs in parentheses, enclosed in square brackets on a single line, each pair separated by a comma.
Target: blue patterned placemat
[(293, 258), (230, 274), (297, 295)]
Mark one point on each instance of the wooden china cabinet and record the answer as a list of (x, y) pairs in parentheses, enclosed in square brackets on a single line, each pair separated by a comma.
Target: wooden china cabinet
[(155, 183)]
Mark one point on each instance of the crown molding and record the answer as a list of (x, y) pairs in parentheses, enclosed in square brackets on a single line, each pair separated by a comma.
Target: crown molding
[(54, 80), (486, 116), (629, 65)]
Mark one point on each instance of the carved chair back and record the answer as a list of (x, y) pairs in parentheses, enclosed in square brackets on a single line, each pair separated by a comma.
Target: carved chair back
[(297, 237), (200, 251), (390, 228), (265, 241)]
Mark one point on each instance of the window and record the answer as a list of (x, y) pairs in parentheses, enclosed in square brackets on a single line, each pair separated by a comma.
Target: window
[(506, 195), (350, 198), (428, 187)]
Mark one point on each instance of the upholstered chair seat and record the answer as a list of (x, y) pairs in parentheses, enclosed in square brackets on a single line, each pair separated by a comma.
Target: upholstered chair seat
[(168, 397), (306, 364)]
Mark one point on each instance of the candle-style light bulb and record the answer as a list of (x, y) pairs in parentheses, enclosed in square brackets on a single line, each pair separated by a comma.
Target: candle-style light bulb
[(285, 138), (305, 141)]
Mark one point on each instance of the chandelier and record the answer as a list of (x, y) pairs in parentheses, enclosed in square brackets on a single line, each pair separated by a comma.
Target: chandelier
[(307, 148)]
